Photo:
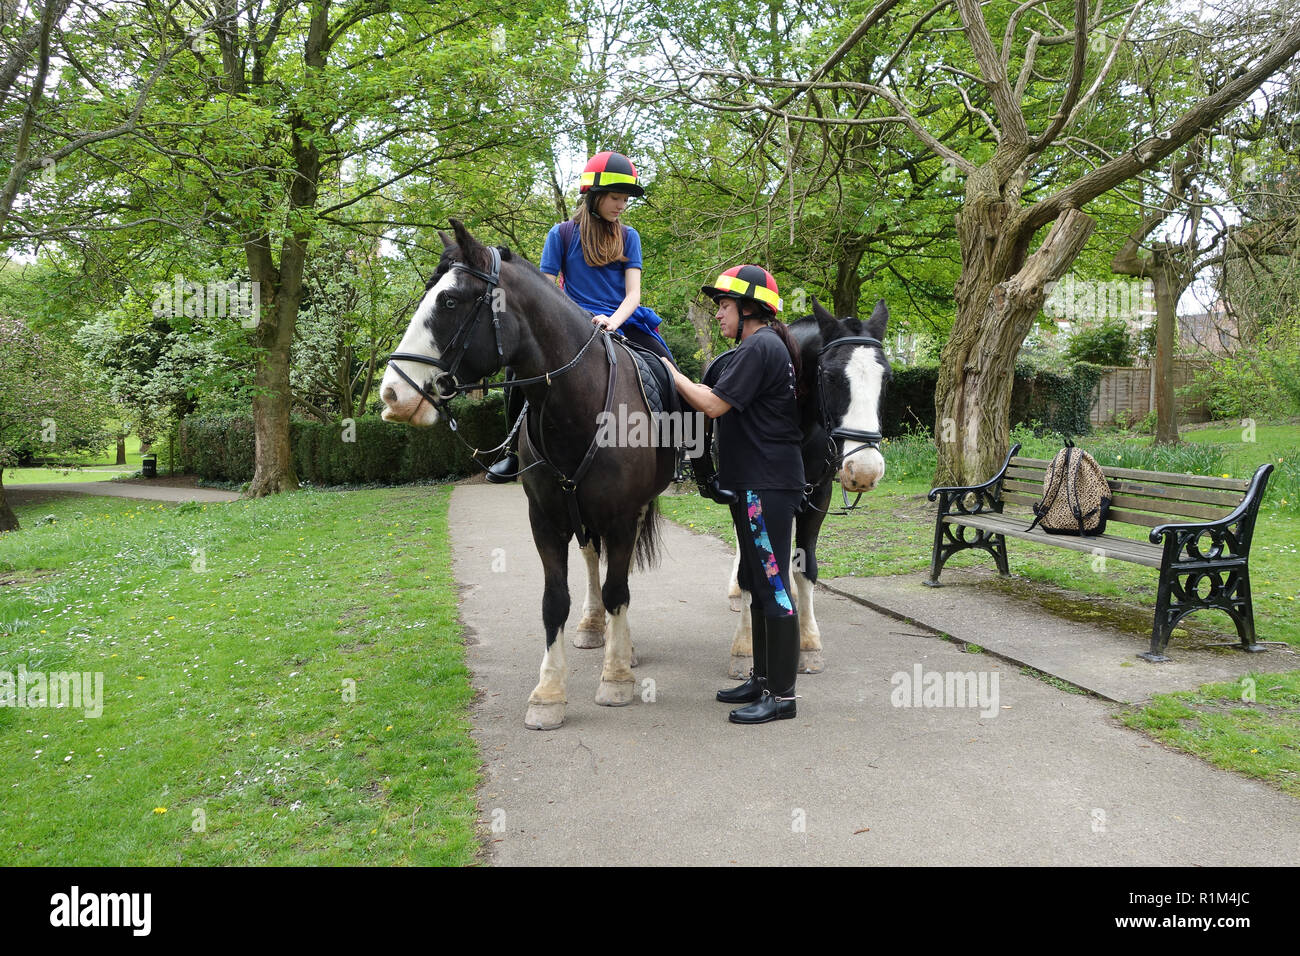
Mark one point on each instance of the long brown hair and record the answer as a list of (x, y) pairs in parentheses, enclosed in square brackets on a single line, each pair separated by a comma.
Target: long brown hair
[(602, 241)]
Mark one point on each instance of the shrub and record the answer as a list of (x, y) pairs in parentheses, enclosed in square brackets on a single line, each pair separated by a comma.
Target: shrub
[(221, 447), (1105, 344)]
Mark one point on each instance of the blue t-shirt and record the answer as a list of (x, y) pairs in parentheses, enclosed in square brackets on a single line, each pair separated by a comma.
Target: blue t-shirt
[(598, 289)]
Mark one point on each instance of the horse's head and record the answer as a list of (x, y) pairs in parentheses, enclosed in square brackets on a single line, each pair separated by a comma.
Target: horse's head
[(452, 337), (851, 380)]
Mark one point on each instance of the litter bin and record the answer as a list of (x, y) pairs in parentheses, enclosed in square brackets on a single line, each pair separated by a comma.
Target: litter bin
[(149, 466)]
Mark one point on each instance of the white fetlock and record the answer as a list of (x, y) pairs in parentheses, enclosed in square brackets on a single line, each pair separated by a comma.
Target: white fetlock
[(613, 693), (811, 662), (544, 716)]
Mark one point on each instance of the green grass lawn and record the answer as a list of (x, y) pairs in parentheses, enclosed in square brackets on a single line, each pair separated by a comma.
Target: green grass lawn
[(1250, 726), (284, 683)]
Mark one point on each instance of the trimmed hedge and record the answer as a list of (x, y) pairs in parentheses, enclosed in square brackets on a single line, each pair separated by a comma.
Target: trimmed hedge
[(221, 448), (1060, 402)]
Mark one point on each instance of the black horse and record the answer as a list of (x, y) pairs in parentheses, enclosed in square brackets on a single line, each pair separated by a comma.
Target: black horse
[(484, 309), (844, 376)]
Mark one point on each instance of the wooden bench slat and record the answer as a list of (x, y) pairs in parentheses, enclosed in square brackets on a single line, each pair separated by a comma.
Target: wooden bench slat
[(1166, 501), (1122, 549), (1162, 477), (1229, 499), (1121, 515), (1185, 509)]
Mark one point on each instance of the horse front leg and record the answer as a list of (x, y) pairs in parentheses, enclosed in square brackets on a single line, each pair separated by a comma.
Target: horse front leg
[(546, 704), (738, 598), (591, 629), (803, 564), (617, 683)]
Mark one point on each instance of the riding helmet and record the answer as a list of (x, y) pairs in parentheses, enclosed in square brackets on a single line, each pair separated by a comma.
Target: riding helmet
[(747, 284), (610, 173)]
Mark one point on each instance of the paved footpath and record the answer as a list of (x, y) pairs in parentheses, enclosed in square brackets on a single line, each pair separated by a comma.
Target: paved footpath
[(1051, 779)]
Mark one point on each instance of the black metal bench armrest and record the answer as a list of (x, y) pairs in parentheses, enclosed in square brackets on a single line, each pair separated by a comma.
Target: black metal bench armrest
[(1188, 532), (962, 490)]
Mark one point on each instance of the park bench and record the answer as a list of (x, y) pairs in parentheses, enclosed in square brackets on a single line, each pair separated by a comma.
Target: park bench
[(1199, 537)]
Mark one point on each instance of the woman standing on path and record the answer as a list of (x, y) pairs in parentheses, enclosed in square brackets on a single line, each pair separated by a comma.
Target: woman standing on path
[(753, 400)]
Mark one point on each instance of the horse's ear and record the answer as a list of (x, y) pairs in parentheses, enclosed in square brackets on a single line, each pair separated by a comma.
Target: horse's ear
[(879, 320), (826, 322), (470, 248), (447, 240)]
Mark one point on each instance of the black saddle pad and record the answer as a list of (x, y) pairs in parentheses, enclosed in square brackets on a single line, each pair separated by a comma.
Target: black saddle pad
[(656, 382)]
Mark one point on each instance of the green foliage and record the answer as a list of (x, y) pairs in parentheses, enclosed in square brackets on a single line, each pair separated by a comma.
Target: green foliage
[(365, 451), (49, 405), (1060, 402), (1259, 381), (1105, 344)]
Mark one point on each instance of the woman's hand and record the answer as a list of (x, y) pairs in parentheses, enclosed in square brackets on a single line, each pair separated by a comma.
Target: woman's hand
[(605, 322)]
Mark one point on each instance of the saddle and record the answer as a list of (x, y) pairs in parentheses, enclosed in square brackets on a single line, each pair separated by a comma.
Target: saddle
[(656, 383)]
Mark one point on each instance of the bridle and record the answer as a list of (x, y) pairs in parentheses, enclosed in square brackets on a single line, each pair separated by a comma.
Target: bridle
[(834, 459), (458, 347), (460, 339)]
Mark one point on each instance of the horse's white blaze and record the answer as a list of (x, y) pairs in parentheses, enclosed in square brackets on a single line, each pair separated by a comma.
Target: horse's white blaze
[(409, 406), (862, 470)]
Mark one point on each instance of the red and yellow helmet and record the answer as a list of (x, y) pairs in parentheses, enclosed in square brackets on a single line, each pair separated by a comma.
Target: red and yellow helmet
[(610, 173), (747, 283)]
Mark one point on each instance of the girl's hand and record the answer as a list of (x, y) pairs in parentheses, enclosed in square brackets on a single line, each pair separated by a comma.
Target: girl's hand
[(605, 322)]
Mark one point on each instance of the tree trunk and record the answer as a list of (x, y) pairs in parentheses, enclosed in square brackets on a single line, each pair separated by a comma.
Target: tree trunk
[(848, 285), (121, 450), (272, 399), (702, 323), (998, 298), (1167, 292), (8, 520)]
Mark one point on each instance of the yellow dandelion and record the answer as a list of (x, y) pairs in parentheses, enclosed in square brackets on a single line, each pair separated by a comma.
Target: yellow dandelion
[(159, 809)]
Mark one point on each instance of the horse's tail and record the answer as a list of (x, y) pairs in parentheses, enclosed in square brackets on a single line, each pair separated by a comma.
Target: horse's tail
[(647, 540)]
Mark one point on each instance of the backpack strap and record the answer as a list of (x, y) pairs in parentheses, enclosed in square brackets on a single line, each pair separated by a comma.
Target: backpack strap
[(1053, 489)]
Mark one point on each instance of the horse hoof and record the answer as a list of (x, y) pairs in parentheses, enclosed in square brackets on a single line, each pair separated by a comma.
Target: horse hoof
[(734, 601), (811, 662), (615, 693), (588, 638), (740, 667), (544, 716)]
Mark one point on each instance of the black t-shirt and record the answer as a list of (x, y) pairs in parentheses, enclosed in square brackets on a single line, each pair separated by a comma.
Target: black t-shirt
[(759, 438)]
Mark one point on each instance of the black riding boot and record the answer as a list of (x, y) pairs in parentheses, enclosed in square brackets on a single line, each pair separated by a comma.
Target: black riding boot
[(752, 689), (506, 470), (777, 702)]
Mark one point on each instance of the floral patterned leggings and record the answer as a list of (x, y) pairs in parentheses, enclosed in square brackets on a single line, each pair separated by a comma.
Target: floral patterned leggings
[(764, 523)]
